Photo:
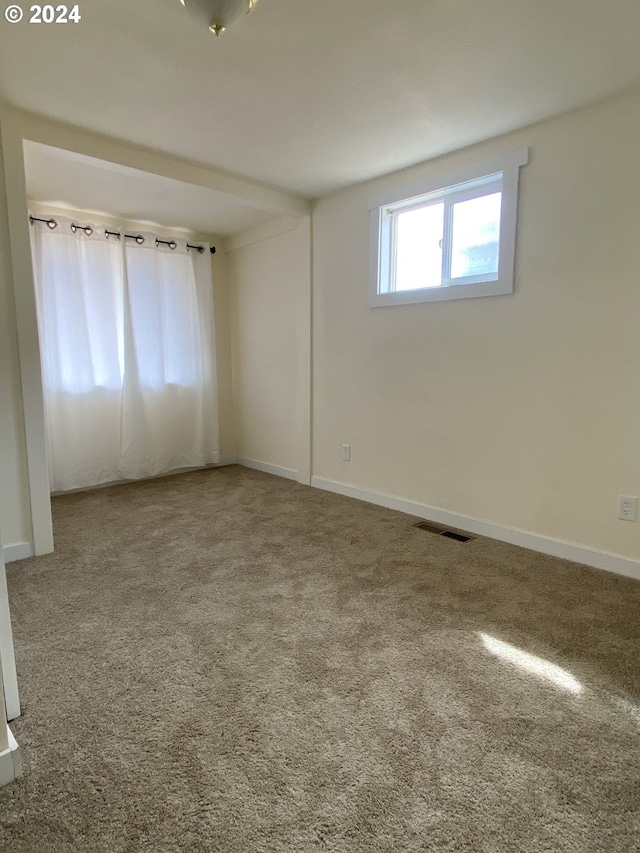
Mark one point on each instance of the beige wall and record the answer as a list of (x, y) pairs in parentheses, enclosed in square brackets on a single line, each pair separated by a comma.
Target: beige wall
[(14, 489), (4, 737), (270, 319), (221, 307), (521, 410)]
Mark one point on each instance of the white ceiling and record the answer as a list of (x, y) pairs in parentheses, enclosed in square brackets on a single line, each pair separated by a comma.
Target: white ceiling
[(311, 95), (63, 178)]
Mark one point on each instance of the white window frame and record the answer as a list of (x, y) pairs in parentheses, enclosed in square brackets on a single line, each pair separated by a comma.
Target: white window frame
[(499, 173)]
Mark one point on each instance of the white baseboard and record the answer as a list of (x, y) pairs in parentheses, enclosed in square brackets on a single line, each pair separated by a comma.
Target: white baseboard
[(532, 541), (18, 551), (10, 761), (287, 473)]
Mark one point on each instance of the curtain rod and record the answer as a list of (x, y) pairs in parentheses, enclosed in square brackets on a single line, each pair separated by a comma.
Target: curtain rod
[(52, 223)]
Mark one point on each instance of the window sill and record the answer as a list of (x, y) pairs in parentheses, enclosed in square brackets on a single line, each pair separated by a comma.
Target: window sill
[(445, 293)]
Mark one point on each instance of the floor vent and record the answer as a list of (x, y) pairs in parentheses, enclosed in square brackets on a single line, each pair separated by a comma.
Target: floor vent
[(459, 537), (430, 528), (443, 531)]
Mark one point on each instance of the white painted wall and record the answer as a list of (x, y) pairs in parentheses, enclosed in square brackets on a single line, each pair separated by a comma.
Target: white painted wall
[(15, 513), (9, 696), (521, 410), (4, 729), (270, 274), (10, 759), (221, 307)]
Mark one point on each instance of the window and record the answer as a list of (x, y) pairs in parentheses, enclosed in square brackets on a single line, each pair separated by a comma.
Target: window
[(447, 238)]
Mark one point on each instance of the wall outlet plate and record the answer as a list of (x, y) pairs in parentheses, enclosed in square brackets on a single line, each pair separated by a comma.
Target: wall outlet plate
[(346, 453), (627, 508)]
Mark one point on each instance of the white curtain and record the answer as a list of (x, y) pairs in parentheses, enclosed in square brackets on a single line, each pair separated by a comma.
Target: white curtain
[(127, 351)]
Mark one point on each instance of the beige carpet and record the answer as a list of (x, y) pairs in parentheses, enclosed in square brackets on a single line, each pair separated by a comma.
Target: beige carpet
[(227, 661)]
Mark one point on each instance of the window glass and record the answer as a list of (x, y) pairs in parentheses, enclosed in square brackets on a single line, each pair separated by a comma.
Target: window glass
[(476, 233), (419, 247)]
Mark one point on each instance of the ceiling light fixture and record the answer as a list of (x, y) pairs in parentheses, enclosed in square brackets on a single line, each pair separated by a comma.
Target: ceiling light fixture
[(218, 14)]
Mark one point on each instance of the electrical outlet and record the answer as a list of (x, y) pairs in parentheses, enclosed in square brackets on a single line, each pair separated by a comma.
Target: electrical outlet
[(346, 453), (627, 508)]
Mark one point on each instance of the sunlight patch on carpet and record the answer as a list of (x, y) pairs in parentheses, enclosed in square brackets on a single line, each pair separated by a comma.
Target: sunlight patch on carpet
[(535, 665)]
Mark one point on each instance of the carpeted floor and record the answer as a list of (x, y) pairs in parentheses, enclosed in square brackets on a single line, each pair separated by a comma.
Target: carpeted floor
[(227, 661)]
